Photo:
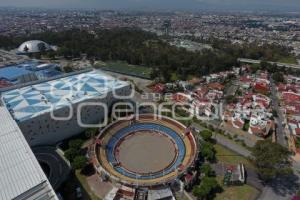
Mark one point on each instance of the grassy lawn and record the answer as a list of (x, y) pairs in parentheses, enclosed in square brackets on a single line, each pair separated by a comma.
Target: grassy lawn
[(288, 60), (124, 68), (82, 179), (229, 157), (297, 142), (244, 192)]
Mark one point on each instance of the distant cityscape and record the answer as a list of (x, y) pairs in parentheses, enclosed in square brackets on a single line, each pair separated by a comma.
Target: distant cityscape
[(133, 105), (236, 27)]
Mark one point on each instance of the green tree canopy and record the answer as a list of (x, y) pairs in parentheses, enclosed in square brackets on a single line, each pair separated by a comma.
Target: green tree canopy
[(75, 144), (231, 99), (278, 77), (206, 135), (91, 132), (79, 162), (208, 151), (271, 159), (71, 153), (207, 188), (207, 170)]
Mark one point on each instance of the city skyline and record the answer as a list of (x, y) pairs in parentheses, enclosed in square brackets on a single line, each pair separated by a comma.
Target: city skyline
[(218, 5)]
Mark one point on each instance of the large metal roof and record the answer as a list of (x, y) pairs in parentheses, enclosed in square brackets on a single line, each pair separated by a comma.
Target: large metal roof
[(31, 101), (21, 176)]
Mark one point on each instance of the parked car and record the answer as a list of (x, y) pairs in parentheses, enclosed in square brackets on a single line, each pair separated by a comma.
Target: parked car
[(78, 193)]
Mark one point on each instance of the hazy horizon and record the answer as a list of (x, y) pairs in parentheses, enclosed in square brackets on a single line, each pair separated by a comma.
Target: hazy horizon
[(220, 5)]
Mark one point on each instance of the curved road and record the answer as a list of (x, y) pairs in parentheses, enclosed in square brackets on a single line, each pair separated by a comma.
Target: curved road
[(59, 168)]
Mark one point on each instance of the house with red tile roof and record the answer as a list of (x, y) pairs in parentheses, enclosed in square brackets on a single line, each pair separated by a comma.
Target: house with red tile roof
[(201, 91), (159, 88), (262, 87), (297, 132), (216, 86), (293, 109), (181, 97), (290, 96)]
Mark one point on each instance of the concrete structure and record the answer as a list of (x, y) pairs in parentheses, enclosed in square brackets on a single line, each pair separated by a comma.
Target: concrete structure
[(21, 176), (163, 193), (32, 106), (33, 46), (108, 151)]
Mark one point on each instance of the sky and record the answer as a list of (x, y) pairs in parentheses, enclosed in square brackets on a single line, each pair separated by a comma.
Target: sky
[(280, 5)]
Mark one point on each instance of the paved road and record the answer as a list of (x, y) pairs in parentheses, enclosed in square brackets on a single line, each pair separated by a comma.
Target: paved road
[(279, 120), (246, 60), (59, 169), (227, 143)]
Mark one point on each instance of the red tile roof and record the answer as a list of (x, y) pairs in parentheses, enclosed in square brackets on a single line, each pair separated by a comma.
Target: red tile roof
[(5, 84), (179, 97), (239, 123), (159, 88), (297, 130), (216, 86), (261, 87), (256, 130), (290, 96)]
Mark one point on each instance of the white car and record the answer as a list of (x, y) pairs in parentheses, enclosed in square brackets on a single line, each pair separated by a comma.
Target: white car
[(78, 193)]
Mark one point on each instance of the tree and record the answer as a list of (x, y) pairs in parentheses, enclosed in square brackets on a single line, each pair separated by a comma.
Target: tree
[(79, 162), (208, 151), (278, 77), (207, 188), (75, 144), (91, 133), (207, 170), (70, 154), (231, 99), (271, 159), (206, 135), (274, 112)]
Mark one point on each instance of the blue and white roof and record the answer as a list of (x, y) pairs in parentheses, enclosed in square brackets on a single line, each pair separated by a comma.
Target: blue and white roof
[(31, 101)]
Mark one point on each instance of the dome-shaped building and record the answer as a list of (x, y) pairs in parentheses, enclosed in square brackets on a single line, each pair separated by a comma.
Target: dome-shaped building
[(33, 46)]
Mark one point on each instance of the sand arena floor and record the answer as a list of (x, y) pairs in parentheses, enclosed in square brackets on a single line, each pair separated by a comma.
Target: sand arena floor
[(146, 152)]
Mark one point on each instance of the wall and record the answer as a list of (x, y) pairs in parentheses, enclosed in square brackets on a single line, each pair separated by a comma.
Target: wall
[(43, 130)]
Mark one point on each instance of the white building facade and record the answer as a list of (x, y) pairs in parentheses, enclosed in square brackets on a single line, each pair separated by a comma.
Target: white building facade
[(50, 112)]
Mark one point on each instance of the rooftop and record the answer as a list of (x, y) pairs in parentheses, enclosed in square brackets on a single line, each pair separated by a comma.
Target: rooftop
[(34, 100), (20, 172), (13, 72)]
